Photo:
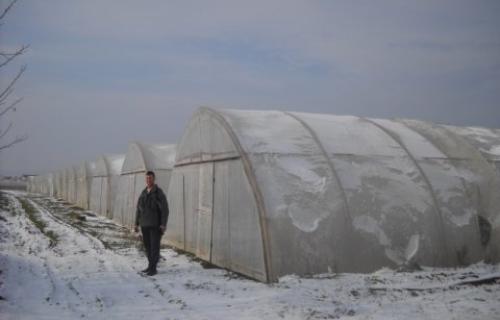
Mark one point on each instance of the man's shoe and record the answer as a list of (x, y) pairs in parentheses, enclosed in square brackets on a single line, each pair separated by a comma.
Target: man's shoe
[(151, 272), (145, 270)]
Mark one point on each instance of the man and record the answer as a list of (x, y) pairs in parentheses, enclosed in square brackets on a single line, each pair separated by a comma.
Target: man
[(152, 216)]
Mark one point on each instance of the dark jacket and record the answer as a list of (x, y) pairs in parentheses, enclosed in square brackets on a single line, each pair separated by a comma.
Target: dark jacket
[(152, 208)]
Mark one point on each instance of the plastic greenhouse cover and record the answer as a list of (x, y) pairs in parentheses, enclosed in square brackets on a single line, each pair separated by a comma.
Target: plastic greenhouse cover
[(101, 169), (115, 162), (379, 169), (141, 157), (486, 140), (159, 156)]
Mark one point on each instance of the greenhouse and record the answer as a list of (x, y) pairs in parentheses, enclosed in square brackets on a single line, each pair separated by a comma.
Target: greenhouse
[(487, 141), (57, 184), (47, 185), (105, 184), (63, 176), (139, 159), (70, 190), (270, 193), (84, 174), (30, 184)]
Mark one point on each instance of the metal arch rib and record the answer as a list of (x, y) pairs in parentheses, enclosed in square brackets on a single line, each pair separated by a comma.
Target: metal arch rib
[(328, 161), (259, 199), (424, 177)]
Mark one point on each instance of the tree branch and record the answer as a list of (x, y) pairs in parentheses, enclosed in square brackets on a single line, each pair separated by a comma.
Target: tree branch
[(13, 142), (6, 58), (12, 105), (7, 9), (5, 97), (11, 84), (11, 56), (2, 134)]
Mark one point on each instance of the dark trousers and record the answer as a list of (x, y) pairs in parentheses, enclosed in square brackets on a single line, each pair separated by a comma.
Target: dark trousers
[(151, 237)]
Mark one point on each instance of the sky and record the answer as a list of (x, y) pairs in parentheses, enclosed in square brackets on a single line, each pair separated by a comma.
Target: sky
[(103, 73)]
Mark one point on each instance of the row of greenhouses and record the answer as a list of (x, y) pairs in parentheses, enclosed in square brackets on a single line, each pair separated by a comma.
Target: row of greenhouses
[(111, 184), (271, 193)]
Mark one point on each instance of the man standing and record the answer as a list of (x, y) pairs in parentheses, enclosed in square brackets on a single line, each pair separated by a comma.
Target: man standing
[(152, 216)]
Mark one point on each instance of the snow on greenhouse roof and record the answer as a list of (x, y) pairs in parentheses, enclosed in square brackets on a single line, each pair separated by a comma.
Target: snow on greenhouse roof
[(486, 140)]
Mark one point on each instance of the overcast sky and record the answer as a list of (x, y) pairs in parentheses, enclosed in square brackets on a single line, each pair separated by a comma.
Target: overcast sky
[(103, 73)]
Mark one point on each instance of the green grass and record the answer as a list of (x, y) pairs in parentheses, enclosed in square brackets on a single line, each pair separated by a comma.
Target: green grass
[(32, 214)]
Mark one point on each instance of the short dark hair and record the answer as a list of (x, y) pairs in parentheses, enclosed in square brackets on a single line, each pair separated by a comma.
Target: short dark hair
[(150, 173)]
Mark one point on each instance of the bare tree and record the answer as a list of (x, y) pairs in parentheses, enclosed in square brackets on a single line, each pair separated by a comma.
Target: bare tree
[(6, 103)]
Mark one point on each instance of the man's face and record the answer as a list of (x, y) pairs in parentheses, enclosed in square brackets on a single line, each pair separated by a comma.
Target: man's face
[(150, 181)]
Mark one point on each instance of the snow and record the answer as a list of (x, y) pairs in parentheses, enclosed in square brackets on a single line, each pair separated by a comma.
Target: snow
[(495, 150), (92, 273), (272, 132), (337, 134), (415, 143), (304, 186), (370, 225), (486, 140)]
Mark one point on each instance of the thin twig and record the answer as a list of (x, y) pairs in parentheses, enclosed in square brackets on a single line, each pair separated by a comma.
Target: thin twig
[(15, 141), (11, 84), (7, 9), (2, 134), (12, 105), (11, 56)]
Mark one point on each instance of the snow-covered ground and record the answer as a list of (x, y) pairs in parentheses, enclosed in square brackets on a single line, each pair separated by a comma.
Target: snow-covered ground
[(85, 266)]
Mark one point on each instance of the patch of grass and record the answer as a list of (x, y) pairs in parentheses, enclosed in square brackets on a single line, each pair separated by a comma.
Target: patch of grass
[(76, 216), (5, 204), (127, 236), (94, 233), (32, 214), (54, 239)]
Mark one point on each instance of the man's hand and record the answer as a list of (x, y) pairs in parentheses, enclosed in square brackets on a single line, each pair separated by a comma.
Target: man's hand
[(136, 229), (162, 229)]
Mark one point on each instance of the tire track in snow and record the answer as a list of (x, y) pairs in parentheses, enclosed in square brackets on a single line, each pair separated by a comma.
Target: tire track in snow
[(155, 291), (148, 290), (96, 243), (53, 297), (78, 305)]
